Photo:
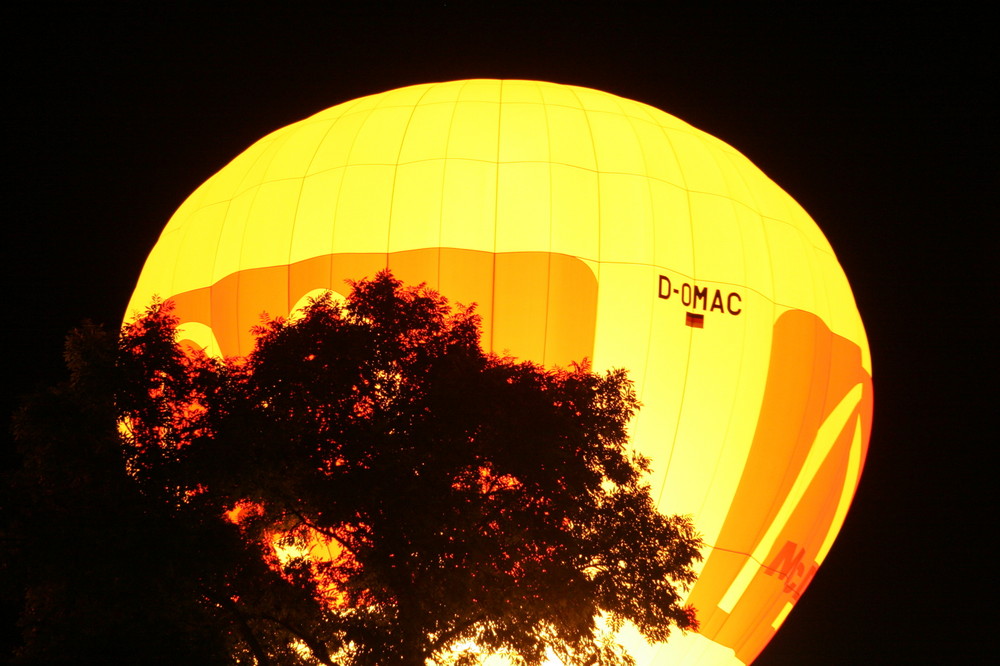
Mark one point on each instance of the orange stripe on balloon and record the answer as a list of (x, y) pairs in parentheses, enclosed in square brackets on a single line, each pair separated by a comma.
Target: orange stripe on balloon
[(535, 305), (811, 371)]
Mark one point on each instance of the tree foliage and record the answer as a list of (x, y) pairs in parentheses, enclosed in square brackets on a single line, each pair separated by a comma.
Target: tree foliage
[(369, 487), (102, 572)]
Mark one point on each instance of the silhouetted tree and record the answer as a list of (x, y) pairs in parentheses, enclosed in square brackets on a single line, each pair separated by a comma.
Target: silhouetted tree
[(369, 487), (104, 572)]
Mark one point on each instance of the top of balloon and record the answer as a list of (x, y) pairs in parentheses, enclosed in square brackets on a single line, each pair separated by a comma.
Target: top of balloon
[(609, 169)]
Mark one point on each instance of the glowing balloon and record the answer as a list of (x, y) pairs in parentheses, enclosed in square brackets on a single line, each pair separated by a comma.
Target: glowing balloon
[(584, 225)]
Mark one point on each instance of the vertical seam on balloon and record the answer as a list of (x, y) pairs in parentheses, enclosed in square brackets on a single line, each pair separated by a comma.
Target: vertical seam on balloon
[(215, 255), (652, 225), (827, 434), (395, 171), (827, 529), (332, 123), (753, 627), (736, 392), (760, 218), (749, 628), (772, 299), (828, 388), (444, 177), (346, 169), (760, 563), (597, 172), (291, 235), (764, 223), (211, 274), (818, 269), (496, 214), (852, 477), (256, 191), (548, 254), (687, 365), (790, 476), (740, 374), (239, 274), (288, 257)]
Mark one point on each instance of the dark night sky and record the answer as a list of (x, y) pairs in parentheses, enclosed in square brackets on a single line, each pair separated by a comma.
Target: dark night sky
[(875, 121)]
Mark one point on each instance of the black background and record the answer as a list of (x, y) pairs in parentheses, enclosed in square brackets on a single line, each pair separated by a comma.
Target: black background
[(875, 120)]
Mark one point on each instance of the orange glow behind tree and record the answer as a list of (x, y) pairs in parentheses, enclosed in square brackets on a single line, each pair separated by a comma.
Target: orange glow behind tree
[(412, 493)]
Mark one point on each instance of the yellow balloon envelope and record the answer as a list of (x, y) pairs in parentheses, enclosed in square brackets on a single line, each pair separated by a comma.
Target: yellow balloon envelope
[(584, 225)]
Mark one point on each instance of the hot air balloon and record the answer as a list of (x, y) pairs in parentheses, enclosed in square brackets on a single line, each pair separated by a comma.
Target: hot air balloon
[(584, 225)]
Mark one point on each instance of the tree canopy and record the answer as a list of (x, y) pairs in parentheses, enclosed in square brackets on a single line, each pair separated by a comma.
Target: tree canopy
[(368, 486)]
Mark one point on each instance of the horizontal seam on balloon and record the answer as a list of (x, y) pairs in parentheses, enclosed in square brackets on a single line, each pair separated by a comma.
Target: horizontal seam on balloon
[(493, 161), (642, 264), (796, 227), (740, 552), (647, 176), (539, 162), (526, 251), (683, 126), (739, 202), (510, 162)]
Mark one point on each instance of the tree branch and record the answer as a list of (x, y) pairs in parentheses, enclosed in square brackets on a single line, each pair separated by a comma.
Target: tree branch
[(326, 532), (314, 644), (241, 620)]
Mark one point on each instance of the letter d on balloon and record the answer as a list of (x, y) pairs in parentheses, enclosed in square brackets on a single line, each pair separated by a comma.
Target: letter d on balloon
[(664, 293)]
